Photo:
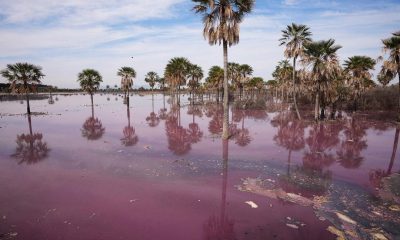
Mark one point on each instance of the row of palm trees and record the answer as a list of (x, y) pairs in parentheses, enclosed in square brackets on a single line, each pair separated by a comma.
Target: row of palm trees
[(322, 77), (221, 20)]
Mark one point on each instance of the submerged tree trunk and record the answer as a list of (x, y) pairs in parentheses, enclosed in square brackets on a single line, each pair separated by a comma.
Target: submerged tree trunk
[(322, 117), (333, 111), (398, 117), (316, 110), (225, 125), (91, 98), (28, 107), (396, 141), (30, 124), (224, 179), (294, 89)]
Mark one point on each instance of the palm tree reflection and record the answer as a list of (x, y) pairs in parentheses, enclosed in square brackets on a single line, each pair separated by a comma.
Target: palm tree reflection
[(195, 132), (92, 128), (31, 148), (152, 120), (130, 137), (376, 176), (290, 134), (221, 227), (349, 153), (179, 141), (162, 113)]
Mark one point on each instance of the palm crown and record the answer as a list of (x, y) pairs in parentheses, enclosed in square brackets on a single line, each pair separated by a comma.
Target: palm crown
[(151, 78), (89, 80), (295, 37), (221, 18), (22, 76), (176, 71), (127, 75)]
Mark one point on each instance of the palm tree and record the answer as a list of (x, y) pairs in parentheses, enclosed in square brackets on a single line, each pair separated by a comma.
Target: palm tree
[(391, 66), (176, 72), (215, 78), (23, 77), (89, 80), (245, 71), (282, 74), (195, 74), (321, 58), (221, 20), (151, 78), (357, 68), (294, 37), (127, 75), (234, 73)]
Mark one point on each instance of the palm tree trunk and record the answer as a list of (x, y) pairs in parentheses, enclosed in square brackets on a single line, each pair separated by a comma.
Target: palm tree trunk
[(224, 179), (225, 125), (288, 162), (316, 110), (91, 98), (30, 124), (28, 107), (396, 141), (152, 102), (398, 74), (294, 88), (92, 111)]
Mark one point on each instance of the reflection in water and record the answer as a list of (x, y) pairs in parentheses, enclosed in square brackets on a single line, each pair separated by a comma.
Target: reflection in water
[(349, 153), (215, 112), (51, 100), (376, 176), (322, 140), (30, 147), (152, 120), (178, 137), (92, 128), (290, 134), (221, 227), (195, 132), (242, 135), (130, 137)]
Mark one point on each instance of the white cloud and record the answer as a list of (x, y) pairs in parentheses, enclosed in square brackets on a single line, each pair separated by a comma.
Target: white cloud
[(290, 2), (77, 12), (84, 37)]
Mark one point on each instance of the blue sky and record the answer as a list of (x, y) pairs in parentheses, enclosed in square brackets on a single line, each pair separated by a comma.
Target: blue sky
[(65, 37)]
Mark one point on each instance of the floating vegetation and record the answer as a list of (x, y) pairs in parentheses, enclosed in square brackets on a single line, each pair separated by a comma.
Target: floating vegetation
[(353, 213)]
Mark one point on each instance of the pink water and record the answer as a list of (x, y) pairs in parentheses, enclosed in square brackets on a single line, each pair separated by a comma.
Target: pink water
[(161, 176)]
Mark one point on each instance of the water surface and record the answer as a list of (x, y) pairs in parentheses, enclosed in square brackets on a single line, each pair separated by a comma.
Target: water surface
[(157, 170)]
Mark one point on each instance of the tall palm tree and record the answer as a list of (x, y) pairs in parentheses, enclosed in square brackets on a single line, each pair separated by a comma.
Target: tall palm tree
[(23, 77), (151, 78), (89, 80), (391, 66), (294, 37), (127, 75), (358, 69), (221, 20), (321, 58)]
